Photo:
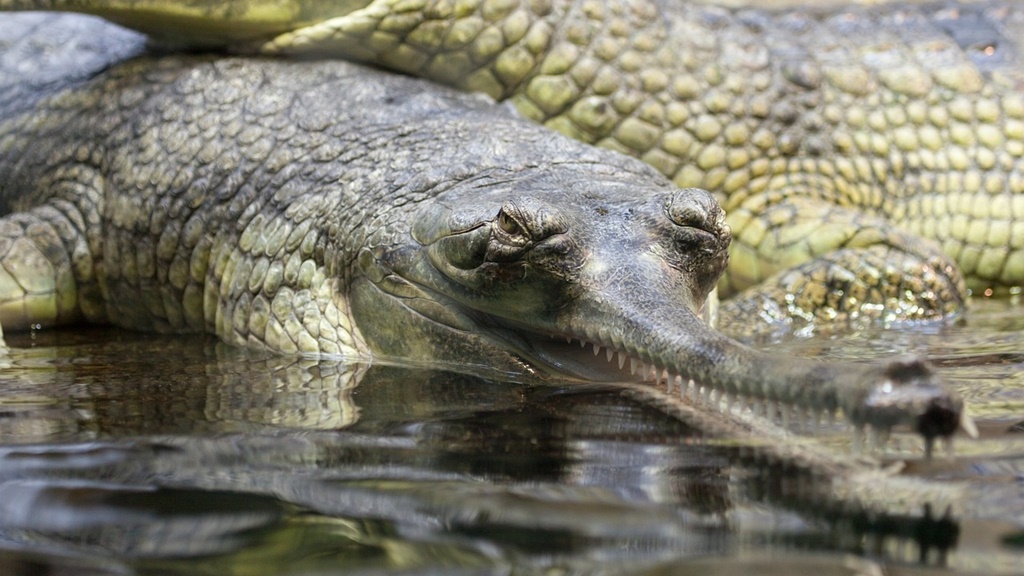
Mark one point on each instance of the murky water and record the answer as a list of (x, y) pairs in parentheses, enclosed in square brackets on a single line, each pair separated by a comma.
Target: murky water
[(124, 452)]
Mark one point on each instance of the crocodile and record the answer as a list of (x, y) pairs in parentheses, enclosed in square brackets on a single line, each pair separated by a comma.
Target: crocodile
[(868, 156), (321, 208)]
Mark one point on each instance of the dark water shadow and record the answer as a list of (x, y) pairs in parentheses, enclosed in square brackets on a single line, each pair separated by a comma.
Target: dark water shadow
[(129, 453)]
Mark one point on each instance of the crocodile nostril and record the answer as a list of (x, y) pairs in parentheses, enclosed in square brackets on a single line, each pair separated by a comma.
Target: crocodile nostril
[(695, 208), (940, 418)]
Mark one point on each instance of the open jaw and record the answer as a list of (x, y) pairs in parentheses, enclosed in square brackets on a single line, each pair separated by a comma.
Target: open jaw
[(901, 394), (576, 357)]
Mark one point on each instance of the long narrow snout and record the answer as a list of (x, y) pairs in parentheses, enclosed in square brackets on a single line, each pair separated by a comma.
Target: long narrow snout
[(643, 324)]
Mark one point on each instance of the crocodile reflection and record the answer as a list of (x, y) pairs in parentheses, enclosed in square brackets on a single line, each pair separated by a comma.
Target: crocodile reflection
[(574, 472)]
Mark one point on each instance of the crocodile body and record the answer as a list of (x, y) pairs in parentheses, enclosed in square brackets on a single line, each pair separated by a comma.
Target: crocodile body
[(322, 208), (852, 147)]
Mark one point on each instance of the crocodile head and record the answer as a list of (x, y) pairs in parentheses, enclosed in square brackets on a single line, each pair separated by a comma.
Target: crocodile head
[(518, 271), (561, 274)]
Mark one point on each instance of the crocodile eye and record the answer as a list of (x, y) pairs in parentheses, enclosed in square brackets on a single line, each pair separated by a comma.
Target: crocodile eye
[(507, 223)]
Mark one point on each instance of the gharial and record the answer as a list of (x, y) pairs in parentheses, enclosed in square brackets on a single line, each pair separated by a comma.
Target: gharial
[(319, 207), (868, 155)]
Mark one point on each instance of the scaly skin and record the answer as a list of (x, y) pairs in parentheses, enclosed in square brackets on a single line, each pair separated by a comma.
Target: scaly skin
[(847, 144), (239, 197), (832, 157)]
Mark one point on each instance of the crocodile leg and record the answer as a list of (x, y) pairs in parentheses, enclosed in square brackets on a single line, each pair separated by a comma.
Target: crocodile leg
[(803, 261), (45, 267), (843, 289)]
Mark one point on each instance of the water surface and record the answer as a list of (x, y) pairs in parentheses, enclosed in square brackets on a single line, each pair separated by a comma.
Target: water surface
[(131, 453)]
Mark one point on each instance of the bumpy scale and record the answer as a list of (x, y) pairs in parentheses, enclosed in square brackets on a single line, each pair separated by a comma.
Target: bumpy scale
[(321, 208), (866, 156)]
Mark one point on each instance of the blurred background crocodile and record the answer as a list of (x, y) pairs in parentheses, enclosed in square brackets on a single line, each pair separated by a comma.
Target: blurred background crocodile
[(322, 208), (866, 155)]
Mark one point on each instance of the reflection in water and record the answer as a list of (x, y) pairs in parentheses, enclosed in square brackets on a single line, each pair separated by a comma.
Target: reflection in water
[(121, 451)]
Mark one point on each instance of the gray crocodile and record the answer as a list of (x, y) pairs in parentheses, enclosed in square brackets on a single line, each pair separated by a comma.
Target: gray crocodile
[(867, 156), (321, 208)]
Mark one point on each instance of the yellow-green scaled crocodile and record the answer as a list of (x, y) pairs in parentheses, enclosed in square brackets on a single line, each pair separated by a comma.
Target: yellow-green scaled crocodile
[(321, 208), (858, 150)]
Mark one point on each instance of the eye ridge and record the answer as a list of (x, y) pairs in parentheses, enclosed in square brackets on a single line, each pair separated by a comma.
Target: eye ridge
[(526, 223)]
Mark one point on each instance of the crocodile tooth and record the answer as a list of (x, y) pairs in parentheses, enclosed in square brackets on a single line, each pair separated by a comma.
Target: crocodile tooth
[(858, 438), (583, 343), (729, 399), (900, 550), (610, 353), (742, 402), (882, 435), (597, 349), (622, 359), (876, 439), (967, 425), (616, 342)]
